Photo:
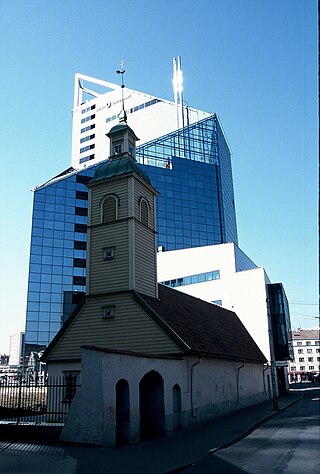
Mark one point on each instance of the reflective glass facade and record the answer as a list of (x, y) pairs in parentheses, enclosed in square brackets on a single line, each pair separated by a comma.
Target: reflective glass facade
[(192, 171), (278, 308)]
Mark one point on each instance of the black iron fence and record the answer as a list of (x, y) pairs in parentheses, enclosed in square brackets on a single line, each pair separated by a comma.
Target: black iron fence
[(44, 401)]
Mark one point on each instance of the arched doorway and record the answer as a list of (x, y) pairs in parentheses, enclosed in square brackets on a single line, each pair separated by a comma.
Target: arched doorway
[(176, 401), (122, 412), (151, 404)]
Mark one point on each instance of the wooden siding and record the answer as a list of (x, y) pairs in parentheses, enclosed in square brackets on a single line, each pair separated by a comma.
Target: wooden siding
[(145, 260), (109, 275), (130, 329)]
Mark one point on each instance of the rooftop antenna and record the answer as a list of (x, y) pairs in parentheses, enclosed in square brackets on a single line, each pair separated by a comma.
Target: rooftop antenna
[(177, 83), (121, 71)]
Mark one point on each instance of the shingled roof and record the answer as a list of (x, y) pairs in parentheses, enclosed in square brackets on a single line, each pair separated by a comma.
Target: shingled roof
[(204, 328), (306, 334)]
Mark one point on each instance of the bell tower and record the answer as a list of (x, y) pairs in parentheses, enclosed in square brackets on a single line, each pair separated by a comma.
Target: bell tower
[(122, 216)]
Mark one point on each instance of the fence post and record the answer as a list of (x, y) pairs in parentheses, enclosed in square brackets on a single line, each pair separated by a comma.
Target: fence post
[(19, 398)]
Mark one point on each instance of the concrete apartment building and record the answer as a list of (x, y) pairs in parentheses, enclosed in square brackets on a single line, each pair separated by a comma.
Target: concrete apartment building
[(306, 347)]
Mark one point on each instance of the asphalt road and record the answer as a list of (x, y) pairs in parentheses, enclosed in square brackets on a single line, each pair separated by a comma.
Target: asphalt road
[(288, 443)]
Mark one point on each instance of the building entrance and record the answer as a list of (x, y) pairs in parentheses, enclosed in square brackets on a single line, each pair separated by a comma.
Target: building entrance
[(122, 412), (151, 405)]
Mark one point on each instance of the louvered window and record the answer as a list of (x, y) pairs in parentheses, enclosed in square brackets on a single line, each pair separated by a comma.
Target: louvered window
[(109, 209)]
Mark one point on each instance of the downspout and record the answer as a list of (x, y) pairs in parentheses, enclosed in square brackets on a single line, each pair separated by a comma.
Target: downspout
[(238, 377), (191, 384), (264, 381)]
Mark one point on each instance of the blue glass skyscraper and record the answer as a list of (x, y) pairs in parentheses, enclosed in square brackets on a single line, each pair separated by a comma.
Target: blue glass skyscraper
[(191, 168)]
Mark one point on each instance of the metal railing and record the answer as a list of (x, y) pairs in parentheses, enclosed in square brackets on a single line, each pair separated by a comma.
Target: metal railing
[(47, 401)]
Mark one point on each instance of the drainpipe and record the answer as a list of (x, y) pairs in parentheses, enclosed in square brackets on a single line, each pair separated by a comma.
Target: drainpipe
[(191, 384), (263, 375), (238, 377)]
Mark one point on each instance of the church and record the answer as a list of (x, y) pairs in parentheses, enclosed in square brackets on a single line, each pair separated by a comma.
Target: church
[(150, 359)]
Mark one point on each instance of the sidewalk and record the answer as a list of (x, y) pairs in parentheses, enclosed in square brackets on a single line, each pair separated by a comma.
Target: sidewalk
[(161, 455)]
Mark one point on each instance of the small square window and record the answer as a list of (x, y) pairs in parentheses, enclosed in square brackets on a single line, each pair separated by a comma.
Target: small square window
[(117, 149), (308, 343), (108, 253), (108, 312)]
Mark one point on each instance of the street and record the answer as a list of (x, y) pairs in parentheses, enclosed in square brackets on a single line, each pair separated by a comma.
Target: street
[(288, 443), (284, 441)]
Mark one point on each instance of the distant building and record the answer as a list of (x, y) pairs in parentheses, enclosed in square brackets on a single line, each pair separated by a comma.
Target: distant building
[(16, 348), (306, 363)]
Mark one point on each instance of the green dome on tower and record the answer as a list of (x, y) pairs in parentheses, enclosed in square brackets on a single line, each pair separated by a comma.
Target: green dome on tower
[(120, 166)]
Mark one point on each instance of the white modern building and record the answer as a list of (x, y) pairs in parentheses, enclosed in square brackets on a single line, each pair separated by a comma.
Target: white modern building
[(95, 113), (16, 348), (224, 275), (306, 347)]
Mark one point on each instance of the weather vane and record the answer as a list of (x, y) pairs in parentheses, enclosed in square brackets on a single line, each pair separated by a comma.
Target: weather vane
[(121, 71)]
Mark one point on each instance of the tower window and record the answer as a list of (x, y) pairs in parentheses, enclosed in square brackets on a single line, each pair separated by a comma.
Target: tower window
[(110, 208), (117, 149), (144, 212)]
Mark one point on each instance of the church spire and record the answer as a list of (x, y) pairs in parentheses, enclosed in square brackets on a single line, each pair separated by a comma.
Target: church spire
[(122, 137), (121, 71)]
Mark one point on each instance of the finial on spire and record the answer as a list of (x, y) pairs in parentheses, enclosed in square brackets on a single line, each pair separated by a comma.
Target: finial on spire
[(121, 71)]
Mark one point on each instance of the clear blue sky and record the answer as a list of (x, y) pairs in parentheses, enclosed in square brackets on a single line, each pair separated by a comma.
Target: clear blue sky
[(253, 62)]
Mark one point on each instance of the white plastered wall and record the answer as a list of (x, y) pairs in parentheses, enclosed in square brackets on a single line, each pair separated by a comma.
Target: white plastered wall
[(209, 388)]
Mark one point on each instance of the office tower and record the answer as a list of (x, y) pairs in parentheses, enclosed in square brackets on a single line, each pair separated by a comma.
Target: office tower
[(95, 113), (190, 167)]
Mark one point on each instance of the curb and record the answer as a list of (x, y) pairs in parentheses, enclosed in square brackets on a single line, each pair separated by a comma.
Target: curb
[(249, 430)]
